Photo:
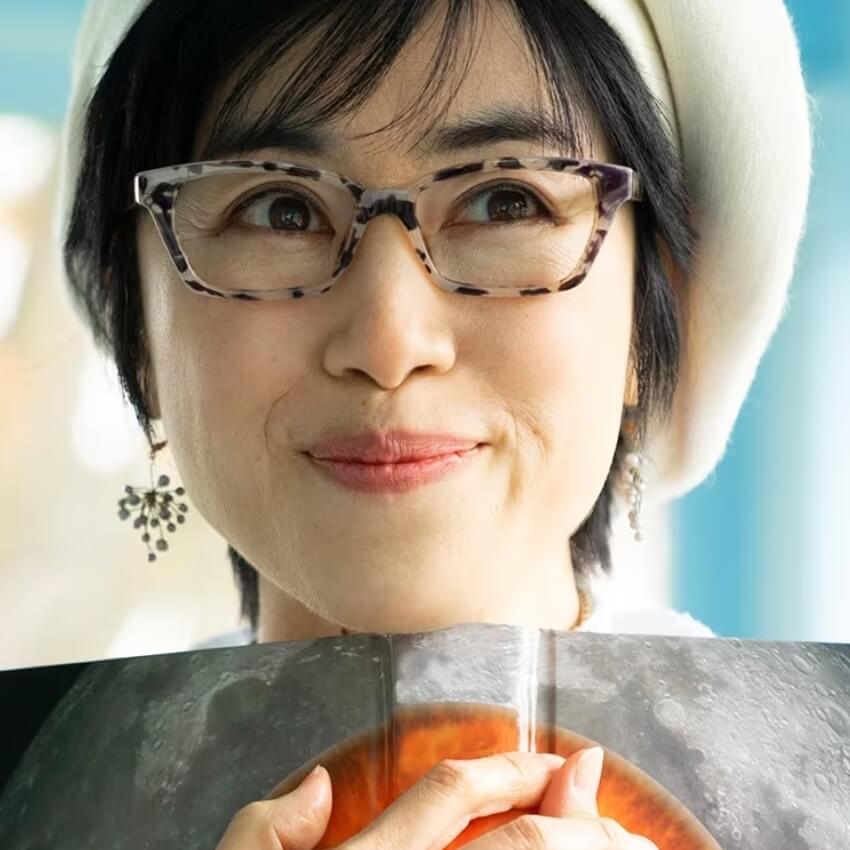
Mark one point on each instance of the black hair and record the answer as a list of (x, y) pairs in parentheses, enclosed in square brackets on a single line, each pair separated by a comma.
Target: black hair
[(147, 107)]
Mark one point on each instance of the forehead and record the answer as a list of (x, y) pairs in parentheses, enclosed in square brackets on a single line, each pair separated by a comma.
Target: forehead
[(486, 64), (491, 64)]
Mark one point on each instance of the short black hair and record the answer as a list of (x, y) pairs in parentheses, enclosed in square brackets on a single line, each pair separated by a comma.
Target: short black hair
[(146, 110)]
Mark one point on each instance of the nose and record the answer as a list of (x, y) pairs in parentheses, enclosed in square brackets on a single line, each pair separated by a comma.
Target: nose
[(389, 318)]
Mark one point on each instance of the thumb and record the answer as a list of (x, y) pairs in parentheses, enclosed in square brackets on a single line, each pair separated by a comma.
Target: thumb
[(573, 789), (296, 821)]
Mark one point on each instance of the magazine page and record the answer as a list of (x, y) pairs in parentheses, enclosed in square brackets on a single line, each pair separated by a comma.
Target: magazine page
[(707, 743)]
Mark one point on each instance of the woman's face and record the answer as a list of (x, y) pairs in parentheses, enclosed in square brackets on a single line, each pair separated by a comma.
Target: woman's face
[(244, 389)]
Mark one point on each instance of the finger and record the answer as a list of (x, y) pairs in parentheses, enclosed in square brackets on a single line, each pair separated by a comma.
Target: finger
[(574, 787), (536, 832), (435, 810), (294, 821), (554, 802)]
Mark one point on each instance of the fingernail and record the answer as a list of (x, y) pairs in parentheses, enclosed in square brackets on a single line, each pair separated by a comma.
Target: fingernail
[(311, 779), (312, 785), (588, 772)]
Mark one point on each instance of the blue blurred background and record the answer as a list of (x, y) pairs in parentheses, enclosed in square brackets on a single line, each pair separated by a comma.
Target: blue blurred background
[(761, 549), (762, 546)]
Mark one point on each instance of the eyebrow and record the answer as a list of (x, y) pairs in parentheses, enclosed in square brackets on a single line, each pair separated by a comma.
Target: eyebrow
[(498, 124), (504, 123)]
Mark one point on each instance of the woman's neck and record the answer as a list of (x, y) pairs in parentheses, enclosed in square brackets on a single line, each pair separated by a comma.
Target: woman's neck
[(545, 599)]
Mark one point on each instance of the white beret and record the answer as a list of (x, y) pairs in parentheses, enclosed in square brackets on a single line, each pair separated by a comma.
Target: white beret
[(728, 78)]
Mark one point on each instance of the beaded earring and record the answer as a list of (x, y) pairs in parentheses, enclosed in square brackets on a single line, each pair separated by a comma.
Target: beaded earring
[(633, 482), (156, 507), (634, 485)]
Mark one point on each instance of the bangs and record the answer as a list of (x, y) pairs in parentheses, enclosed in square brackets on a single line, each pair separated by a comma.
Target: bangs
[(337, 54)]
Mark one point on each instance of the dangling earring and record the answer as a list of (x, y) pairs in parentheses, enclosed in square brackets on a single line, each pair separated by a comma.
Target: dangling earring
[(635, 486), (156, 508), (632, 463)]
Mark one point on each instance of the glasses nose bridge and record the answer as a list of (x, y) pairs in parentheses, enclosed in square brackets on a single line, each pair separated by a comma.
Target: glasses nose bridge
[(397, 202), (376, 202)]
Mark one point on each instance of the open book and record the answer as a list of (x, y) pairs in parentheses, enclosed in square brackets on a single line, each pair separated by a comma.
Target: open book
[(709, 743)]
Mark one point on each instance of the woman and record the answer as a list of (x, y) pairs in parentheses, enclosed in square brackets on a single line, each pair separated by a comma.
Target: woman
[(421, 291)]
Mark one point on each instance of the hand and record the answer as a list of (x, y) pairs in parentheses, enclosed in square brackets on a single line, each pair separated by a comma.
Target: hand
[(572, 794), (436, 809)]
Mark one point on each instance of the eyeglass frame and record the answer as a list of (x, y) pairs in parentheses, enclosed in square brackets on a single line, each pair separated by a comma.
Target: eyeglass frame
[(156, 190)]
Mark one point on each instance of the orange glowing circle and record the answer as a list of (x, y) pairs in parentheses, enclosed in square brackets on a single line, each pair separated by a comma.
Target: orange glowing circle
[(366, 779)]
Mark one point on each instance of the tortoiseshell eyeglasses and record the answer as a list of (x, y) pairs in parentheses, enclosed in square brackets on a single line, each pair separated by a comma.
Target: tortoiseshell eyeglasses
[(277, 230)]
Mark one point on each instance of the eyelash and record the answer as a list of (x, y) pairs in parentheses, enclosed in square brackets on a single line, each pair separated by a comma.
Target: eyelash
[(466, 201), (463, 204), (275, 193)]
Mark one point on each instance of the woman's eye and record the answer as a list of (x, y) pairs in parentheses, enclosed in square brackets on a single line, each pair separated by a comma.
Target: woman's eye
[(286, 212), (503, 203)]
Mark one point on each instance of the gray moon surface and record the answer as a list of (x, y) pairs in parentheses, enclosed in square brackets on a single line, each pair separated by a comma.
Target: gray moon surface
[(161, 751)]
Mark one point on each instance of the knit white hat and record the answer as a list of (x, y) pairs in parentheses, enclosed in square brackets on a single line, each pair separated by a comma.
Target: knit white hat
[(727, 74)]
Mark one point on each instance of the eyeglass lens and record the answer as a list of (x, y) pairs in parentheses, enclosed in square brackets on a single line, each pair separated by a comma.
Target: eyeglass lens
[(270, 231)]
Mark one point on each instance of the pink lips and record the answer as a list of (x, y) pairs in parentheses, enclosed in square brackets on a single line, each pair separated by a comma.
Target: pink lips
[(392, 462)]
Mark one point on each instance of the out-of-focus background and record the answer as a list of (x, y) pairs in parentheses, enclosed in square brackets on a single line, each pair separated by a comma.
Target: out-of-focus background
[(760, 550)]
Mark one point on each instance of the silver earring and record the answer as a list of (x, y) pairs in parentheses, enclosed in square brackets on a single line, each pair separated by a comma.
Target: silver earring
[(157, 508), (634, 486)]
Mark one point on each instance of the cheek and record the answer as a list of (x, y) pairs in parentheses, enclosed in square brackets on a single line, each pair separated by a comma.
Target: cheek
[(573, 368), (565, 377), (218, 366)]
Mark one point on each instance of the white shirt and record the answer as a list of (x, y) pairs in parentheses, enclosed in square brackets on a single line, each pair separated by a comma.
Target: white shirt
[(609, 616), (645, 621)]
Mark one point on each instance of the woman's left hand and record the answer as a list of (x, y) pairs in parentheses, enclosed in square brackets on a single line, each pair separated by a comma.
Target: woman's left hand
[(566, 813)]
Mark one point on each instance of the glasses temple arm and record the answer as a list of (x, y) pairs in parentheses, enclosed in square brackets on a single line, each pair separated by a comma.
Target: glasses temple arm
[(636, 187)]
